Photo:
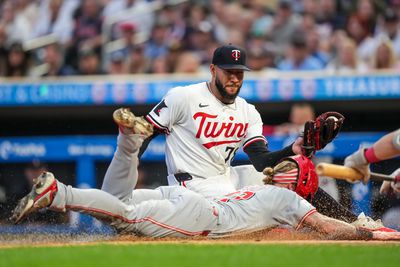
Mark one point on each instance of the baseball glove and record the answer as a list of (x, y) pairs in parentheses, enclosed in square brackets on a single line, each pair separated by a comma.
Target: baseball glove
[(319, 133)]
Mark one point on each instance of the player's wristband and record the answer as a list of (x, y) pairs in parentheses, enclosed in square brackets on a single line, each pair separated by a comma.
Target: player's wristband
[(364, 234), (370, 155)]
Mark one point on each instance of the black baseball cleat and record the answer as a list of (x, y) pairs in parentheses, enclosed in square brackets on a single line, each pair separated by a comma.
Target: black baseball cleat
[(130, 124), (41, 196)]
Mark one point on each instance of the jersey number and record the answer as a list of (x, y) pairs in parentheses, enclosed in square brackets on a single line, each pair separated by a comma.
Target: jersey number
[(239, 195), (231, 153)]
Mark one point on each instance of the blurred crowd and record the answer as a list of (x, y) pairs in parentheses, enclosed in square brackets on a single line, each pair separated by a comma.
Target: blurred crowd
[(89, 37)]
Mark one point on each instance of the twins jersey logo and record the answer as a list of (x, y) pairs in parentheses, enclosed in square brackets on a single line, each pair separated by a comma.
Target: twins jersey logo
[(209, 127), (236, 54)]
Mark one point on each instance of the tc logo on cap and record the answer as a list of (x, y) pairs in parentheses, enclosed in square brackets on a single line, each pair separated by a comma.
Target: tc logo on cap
[(230, 57), (236, 54)]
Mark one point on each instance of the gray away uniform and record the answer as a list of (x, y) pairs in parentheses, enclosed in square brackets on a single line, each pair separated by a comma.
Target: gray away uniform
[(175, 211)]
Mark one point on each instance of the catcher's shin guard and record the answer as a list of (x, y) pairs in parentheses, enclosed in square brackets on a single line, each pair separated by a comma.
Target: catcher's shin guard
[(130, 124), (41, 196)]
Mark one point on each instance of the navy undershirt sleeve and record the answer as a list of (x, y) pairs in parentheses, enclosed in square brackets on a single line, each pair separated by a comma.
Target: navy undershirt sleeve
[(260, 157)]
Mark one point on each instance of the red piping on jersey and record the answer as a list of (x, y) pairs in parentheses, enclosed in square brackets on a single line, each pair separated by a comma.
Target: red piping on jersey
[(217, 143), (305, 217), (148, 219), (254, 140), (157, 124)]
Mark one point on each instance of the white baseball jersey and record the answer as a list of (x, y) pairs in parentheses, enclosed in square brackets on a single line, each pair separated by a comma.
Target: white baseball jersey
[(203, 134), (260, 207)]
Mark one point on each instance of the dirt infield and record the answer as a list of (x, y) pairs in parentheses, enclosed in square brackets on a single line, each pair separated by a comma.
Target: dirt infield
[(263, 237)]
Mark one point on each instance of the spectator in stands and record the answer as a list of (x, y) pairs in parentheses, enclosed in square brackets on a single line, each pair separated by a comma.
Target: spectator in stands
[(138, 62), (310, 7), (157, 46), (18, 61), (89, 62), (117, 64), (128, 30), (229, 20), (308, 22), (86, 33), (246, 21), (364, 42), (174, 52), (262, 19), (3, 50), (159, 65), (391, 30), (313, 46), (137, 12), (55, 17), (173, 14), (384, 56), (188, 62), (216, 18), (328, 18), (26, 15), (346, 59), (298, 57), (236, 36), (299, 114), (284, 26), (7, 15), (198, 39), (195, 15), (259, 59), (366, 15), (54, 59)]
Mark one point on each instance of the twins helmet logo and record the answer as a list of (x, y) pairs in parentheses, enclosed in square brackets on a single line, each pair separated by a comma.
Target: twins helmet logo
[(236, 54)]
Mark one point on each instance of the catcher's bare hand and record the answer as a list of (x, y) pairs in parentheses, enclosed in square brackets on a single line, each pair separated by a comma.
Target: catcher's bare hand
[(297, 145)]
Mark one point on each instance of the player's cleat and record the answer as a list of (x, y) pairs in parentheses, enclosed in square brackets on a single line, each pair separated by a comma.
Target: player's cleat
[(130, 124), (368, 223), (41, 196)]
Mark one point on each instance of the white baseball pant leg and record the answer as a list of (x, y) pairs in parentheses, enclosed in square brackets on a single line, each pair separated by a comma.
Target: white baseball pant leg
[(178, 212)]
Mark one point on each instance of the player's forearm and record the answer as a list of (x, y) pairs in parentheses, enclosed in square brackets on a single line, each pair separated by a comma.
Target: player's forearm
[(260, 157), (339, 230), (385, 147), (336, 229)]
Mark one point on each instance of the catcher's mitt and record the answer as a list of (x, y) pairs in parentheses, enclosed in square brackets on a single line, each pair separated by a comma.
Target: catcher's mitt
[(319, 133)]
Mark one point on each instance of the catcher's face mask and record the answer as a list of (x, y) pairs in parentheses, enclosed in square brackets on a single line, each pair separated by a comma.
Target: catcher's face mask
[(304, 176)]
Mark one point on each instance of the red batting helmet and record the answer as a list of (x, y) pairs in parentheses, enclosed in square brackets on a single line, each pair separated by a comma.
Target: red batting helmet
[(307, 182), (307, 178)]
